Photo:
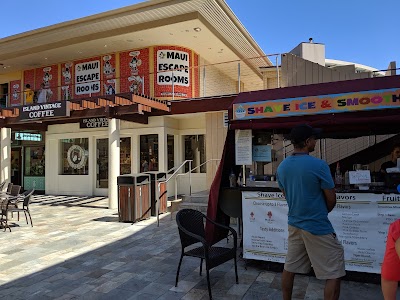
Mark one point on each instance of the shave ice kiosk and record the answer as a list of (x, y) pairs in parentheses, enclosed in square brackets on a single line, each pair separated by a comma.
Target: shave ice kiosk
[(350, 113)]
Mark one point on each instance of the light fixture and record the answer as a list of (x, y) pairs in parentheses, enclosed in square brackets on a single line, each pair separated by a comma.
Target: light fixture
[(197, 29), (105, 46), (45, 58)]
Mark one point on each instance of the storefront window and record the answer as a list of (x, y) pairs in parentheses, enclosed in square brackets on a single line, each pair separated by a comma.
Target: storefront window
[(34, 161), (149, 152), (170, 150), (125, 156), (75, 156), (102, 160), (195, 150), (102, 163)]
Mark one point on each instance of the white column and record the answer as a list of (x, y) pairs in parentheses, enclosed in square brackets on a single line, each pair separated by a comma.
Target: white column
[(162, 151), (113, 161), (5, 158)]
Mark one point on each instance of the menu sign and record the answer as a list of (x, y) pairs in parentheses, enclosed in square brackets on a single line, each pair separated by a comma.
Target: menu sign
[(243, 147), (360, 221)]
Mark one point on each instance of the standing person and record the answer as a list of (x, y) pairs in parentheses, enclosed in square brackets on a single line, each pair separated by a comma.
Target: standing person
[(390, 273), (307, 184), (28, 94), (42, 94), (392, 163)]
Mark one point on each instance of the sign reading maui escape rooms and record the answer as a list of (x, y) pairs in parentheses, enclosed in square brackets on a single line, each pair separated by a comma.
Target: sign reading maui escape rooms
[(173, 66), (87, 77), (44, 111)]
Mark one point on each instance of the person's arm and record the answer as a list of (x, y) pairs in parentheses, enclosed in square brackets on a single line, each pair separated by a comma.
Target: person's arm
[(330, 198)]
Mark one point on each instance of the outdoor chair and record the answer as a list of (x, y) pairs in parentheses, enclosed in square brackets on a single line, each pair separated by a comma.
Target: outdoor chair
[(191, 231), (230, 202), (25, 200), (15, 189), (2, 185), (9, 187)]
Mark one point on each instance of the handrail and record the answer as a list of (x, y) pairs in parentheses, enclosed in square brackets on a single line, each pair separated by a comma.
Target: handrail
[(190, 178), (158, 190)]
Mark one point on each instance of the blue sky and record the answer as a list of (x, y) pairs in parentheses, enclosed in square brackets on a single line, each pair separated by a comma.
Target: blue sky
[(362, 31)]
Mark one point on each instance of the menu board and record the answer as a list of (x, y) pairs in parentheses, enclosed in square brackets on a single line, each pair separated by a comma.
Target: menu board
[(360, 221), (243, 147)]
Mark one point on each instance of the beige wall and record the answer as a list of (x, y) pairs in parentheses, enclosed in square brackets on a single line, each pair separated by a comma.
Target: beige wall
[(215, 140), (297, 71), (218, 82)]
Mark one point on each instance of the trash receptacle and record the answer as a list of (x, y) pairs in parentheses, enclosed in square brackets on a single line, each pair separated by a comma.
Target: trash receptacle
[(158, 178), (133, 197)]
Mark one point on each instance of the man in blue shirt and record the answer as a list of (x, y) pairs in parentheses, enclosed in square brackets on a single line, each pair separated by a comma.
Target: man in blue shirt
[(307, 184)]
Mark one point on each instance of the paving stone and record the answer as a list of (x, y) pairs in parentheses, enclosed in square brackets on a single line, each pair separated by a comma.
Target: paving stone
[(78, 250)]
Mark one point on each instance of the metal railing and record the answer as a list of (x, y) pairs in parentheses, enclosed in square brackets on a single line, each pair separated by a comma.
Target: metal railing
[(158, 189), (190, 177)]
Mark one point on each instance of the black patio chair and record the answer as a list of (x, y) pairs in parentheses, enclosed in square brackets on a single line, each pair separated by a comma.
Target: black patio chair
[(15, 189), (191, 231), (25, 200)]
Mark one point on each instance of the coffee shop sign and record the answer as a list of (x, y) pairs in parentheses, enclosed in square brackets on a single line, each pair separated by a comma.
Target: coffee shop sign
[(48, 110)]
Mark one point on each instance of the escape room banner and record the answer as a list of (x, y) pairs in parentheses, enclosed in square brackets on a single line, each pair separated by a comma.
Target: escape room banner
[(87, 77), (67, 71), (15, 92), (173, 71), (108, 74), (49, 77), (135, 71)]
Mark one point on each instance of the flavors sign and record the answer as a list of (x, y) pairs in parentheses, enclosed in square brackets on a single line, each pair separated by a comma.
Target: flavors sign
[(87, 77)]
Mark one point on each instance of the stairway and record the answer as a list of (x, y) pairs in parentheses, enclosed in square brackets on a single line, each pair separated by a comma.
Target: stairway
[(197, 201)]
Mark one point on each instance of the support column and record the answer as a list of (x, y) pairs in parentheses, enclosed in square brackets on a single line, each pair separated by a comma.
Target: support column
[(5, 157), (113, 161)]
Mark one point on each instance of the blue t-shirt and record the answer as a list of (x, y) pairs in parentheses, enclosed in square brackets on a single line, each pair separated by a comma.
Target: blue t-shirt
[(303, 179)]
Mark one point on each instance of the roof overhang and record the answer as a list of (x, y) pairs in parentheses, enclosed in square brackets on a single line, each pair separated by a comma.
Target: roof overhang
[(142, 25)]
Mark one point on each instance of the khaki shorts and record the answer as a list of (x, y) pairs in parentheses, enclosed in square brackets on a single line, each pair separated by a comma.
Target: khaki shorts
[(323, 252)]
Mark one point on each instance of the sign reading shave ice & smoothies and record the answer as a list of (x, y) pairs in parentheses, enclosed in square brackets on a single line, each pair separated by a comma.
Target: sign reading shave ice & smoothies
[(324, 104), (87, 77)]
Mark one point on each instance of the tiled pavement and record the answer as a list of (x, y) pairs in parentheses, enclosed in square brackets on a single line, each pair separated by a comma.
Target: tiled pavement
[(77, 249)]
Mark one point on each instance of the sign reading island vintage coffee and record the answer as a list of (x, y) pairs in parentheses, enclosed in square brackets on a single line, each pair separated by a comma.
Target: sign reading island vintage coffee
[(44, 111)]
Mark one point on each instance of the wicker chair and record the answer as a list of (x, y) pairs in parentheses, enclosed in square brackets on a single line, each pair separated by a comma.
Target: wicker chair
[(191, 231)]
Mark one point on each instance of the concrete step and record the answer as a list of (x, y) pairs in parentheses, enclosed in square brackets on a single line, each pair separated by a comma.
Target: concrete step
[(202, 207)]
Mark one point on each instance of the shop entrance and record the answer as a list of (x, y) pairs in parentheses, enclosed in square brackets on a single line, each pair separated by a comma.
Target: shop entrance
[(16, 166)]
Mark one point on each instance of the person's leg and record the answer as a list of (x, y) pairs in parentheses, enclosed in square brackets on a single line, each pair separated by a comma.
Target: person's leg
[(287, 284), (332, 289), (297, 261), (389, 289)]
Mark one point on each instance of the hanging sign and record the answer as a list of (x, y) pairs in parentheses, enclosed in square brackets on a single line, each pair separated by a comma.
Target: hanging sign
[(87, 77), (93, 123), (324, 104), (44, 111)]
